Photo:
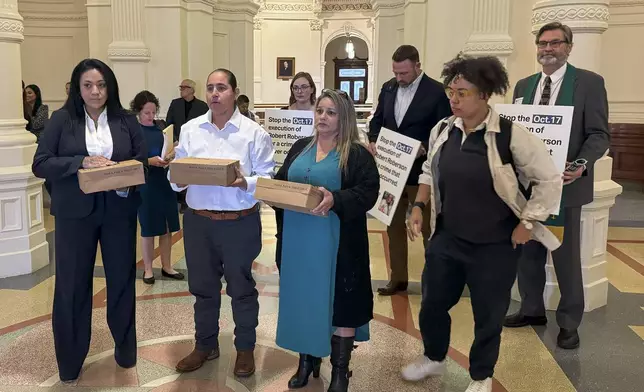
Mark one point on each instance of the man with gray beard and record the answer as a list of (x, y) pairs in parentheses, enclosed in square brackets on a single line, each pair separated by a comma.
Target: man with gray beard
[(560, 83)]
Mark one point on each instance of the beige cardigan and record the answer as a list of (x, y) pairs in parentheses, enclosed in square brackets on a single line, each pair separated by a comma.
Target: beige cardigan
[(533, 164)]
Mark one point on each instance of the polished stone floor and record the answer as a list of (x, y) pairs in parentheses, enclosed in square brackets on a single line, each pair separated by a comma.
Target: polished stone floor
[(611, 356)]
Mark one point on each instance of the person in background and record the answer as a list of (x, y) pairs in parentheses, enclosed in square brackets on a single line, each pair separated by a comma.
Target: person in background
[(67, 89), (92, 130), (36, 112), (242, 103), (222, 228), (158, 213), (326, 301), (480, 219), (182, 110), (185, 108), (560, 83), (303, 93), (411, 103)]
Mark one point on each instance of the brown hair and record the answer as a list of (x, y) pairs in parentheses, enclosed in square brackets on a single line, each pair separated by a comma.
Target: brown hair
[(406, 52), (348, 132), (556, 26), (308, 77)]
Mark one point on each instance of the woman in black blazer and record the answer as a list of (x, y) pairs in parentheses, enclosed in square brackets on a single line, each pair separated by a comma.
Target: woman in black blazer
[(91, 130)]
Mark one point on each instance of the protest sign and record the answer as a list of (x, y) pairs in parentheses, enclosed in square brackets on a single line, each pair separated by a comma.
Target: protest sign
[(551, 124), (285, 128), (395, 155)]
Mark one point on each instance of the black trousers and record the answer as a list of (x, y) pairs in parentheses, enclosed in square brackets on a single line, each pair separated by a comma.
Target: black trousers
[(76, 242), (225, 248), (567, 263), (489, 271)]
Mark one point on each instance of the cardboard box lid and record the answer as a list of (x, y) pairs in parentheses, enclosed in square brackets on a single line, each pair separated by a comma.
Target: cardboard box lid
[(206, 161), (124, 166), (293, 187)]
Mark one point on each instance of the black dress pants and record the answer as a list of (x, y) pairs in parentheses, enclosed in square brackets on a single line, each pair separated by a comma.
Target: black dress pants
[(489, 270), (76, 243)]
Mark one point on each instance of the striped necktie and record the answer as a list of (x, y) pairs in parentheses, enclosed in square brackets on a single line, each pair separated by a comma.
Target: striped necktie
[(545, 95)]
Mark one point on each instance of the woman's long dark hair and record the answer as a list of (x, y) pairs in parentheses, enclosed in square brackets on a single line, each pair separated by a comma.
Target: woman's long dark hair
[(308, 77), (75, 104), (38, 102)]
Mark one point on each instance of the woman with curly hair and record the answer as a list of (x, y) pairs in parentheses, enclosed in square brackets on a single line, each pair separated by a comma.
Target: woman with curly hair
[(158, 213), (480, 217)]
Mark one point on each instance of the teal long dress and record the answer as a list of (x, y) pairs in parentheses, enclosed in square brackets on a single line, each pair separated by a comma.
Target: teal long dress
[(309, 254)]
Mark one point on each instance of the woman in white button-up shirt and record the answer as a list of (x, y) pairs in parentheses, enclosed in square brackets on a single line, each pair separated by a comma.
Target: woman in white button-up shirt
[(91, 130)]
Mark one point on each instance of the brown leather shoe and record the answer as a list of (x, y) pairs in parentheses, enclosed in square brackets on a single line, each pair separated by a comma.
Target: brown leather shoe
[(392, 288), (245, 363), (196, 359)]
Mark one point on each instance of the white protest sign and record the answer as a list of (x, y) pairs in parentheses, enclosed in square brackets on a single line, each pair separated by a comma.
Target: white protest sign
[(285, 128), (395, 154), (551, 124)]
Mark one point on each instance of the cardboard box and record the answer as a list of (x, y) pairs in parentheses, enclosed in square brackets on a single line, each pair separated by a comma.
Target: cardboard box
[(288, 195), (122, 175), (203, 171)]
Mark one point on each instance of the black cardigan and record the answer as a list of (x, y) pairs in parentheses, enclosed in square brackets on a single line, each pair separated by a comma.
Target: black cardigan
[(353, 305)]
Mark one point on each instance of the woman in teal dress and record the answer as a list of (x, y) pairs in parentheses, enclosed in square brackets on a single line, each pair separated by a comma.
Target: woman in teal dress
[(158, 213), (326, 301)]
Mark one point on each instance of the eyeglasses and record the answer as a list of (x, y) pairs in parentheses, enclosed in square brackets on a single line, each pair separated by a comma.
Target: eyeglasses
[(297, 89), (554, 44), (460, 93), (184, 87)]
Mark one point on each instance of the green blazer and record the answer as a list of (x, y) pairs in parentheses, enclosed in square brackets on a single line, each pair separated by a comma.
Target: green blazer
[(590, 134)]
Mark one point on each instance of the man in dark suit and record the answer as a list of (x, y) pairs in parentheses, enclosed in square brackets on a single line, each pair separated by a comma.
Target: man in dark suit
[(561, 83), (186, 108), (181, 111), (411, 104)]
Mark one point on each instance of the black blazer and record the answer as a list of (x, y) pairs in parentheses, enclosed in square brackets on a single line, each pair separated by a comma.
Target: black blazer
[(427, 108), (589, 135), (177, 113), (353, 303), (60, 155)]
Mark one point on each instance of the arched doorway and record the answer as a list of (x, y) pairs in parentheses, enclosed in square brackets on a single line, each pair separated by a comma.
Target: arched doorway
[(347, 69)]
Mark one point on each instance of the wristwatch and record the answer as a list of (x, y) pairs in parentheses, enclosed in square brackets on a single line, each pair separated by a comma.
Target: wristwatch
[(419, 204), (528, 225)]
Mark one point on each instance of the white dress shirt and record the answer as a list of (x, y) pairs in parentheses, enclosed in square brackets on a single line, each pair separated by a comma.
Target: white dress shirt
[(556, 80), (242, 139), (458, 123), (404, 96), (98, 137)]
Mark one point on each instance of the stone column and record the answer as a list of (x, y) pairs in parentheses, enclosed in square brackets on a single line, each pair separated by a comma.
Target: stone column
[(257, 66), (127, 52), (588, 20), (415, 25), (99, 28), (23, 246), (239, 15), (490, 35), (388, 17), (316, 26)]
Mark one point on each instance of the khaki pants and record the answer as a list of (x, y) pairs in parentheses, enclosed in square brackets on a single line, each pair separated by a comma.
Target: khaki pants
[(397, 232)]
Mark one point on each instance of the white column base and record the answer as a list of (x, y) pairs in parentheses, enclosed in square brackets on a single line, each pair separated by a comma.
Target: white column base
[(594, 235), (23, 245)]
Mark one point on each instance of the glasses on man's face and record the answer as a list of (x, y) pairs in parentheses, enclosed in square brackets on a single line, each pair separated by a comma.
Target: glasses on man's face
[(554, 44), (301, 88), (460, 93), (184, 87)]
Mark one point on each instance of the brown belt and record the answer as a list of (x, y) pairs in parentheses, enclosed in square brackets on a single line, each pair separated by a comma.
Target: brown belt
[(227, 215)]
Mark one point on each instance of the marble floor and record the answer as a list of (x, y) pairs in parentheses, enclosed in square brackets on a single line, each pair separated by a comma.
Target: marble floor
[(611, 356)]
